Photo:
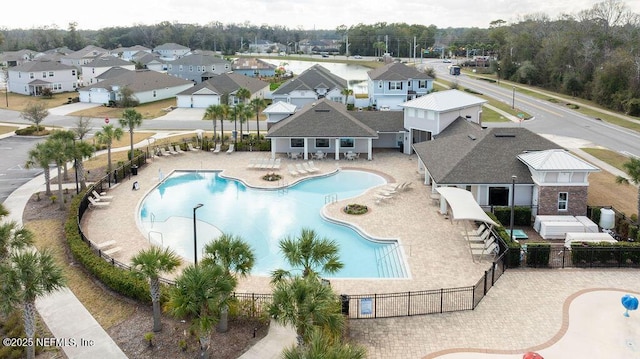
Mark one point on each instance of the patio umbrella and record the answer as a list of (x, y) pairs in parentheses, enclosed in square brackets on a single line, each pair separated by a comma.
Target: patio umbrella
[(629, 302), (532, 355)]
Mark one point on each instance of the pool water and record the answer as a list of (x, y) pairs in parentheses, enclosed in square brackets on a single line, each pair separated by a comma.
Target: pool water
[(263, 217)]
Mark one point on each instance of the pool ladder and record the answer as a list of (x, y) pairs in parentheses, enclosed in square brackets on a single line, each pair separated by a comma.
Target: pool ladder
[(331, 198), (283, 186)]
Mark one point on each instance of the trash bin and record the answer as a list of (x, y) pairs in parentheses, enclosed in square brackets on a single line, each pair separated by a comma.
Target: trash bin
[(344, 299), (134, 170)]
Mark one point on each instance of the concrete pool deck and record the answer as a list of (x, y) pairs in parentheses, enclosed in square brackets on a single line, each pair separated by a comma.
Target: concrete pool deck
[(524, 310)]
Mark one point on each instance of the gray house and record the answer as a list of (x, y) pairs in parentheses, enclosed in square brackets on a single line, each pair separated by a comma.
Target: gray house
[(395, 83), (198, 67), (311, 85), (210, 92)]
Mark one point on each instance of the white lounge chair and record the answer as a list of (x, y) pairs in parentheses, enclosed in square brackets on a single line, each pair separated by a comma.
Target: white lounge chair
[(191, 148), (276, 164), (100, 197), (93, 203), (231, 149), (217, 148), (312, 165), (308, 168), (380, 198), (164, 152), (300, 169), (491, 250), (268, 163), (292, 170), (477, 232), (171, 151), (177, 149), (252, 163)]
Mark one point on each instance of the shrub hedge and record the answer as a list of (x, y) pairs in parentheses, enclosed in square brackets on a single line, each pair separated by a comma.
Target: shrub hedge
[(512, 258), (595, 254), (538, 254), (521, 215)]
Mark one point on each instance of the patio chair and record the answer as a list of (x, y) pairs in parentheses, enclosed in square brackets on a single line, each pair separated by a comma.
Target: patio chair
[(163, 152), (292, 171), (308, 168), (252, 163), (300, 169), (100, 197), (217, 148), (93, 203), (191, 148), (312, 165), (268, 163), (380, 198), (231, 149), (276, 164), (171, 151), (477, 232), (178, 149)]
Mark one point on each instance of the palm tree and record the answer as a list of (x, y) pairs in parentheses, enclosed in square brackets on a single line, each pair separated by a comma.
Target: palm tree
[(346, 92), (67, 137), (81, 151), (245, 115), (306, 303), (235, 256), (211, 114), (315, 255), (12, 238), (199, 293), (632, 168), (131, 119), (320, 346), (257, 104), (28, 276), (151, 263), (106, 137), (40, 156), (61, 153)]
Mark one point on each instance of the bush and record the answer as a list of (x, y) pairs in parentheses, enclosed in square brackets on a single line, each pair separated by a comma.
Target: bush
[(521, 215), (32, 131), (538, 254), (622, 254), (512, 258)]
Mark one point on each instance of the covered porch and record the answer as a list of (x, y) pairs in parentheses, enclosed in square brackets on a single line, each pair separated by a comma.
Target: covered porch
[(323, 147)]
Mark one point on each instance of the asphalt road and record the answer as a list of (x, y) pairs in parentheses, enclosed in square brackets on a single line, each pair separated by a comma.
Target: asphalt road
[(13, 157)]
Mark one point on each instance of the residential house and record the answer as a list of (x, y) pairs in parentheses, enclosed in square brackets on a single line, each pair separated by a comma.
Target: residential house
[(484, 161), (147, 86), (311, 85), (263, 46), (150, 61), (111, 73), (127, 53), (101, 64), (253, 67), (15, 58), (427, 116), (83, 56), (395, 83), (278, 111), (198, 67), (171, 51), (211, 91), (32, 77)]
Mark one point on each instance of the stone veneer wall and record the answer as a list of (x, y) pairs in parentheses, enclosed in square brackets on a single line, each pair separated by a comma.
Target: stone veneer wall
[(548, 200)]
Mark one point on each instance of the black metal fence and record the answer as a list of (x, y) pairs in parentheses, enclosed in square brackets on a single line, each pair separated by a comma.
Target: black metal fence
[(587, 256)]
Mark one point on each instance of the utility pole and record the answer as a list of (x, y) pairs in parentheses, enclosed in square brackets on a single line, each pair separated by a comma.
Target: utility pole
[(414, 49), (347, 45), (386, 43)]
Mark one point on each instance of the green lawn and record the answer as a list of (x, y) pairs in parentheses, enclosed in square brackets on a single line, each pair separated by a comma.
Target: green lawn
[(613, 158)]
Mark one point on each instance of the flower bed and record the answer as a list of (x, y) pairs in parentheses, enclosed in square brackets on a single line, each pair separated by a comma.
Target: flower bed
[(271, 177), (356, 209)]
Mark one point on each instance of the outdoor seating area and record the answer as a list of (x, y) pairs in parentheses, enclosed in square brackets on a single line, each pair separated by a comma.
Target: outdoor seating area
[(295, 155), (302, 168), (388, 192), (481, 242), (265, 163), (350, 156)]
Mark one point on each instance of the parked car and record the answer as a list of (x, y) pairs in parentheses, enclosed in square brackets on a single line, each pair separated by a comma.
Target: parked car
[(446, 61), (357, 57)]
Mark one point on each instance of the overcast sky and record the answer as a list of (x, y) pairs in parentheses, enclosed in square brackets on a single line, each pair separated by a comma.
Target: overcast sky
[(306, 14)]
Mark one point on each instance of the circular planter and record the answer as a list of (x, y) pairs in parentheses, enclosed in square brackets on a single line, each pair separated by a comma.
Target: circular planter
[(355, 209), (272, 177)]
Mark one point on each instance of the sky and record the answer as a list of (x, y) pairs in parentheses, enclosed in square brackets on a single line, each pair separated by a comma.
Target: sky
[(293, 14)]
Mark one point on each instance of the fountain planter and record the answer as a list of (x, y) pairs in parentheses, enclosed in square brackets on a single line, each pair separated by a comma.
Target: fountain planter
[(356, 209)]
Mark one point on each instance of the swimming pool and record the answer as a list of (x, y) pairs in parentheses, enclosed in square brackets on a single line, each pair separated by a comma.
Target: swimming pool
[(263, 217)]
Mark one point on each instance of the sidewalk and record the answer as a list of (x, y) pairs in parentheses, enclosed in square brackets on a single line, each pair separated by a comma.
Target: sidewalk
[(62, 312)]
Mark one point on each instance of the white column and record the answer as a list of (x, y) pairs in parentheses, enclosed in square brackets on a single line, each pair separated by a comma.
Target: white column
[(273, 148), (306, 148), (369, 147), (337, 155)]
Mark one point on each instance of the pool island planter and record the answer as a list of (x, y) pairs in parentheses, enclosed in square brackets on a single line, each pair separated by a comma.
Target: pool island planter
[(356, 209), (272, 177)]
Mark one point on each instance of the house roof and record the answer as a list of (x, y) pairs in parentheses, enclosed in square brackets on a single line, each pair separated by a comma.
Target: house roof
[(381, 121), (555, 160), (312, 78), (108, 61), (280, 107), (170, 46), (465, 153), (199, 59), (41, 65), (396, 71), (323, 118), (442, 101), (112, 73), (251, 64), (140, 80), (228, 83), (87, 51)]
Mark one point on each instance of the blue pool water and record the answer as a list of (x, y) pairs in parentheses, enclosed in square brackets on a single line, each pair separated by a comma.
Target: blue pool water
[(263, 217)]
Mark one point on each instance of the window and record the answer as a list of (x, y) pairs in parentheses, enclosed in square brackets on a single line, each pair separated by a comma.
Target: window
[(563, 201), (422, 84), (190, 68), (379, 84), (322, 143), (297, 142), (44, 74), (154, 93), (31, 75), (226, 67), (73, 72), (213, 68), (395, 85), (347, 142), (180, 68)]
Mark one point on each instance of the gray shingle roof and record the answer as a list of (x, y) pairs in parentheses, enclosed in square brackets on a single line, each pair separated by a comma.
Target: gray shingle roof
[(322, 119), (87, 51), (251, 64), (396, 71), (381, 121), (170, 46), (108, 61), (141, 80), (464, 153), (112, 73), (228, 83), (314, 77), (199, 60), (45, 65)]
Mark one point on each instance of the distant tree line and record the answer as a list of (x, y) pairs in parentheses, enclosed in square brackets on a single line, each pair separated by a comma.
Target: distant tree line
[(593, 54)]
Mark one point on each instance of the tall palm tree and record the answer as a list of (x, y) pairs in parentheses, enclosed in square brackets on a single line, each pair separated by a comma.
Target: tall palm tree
[(61, 153), (305, 304), (81, 151), (67, 137), (235, 256), (106, 137), (40, 156), (243, 112), (246, 114), (243, 94), (150, 263), (210, 114), (130, 120), (321, 346), (13, 238), (258, 104), (346, 92), (314, 254), (28, 276), (632, 168), (199, 293)]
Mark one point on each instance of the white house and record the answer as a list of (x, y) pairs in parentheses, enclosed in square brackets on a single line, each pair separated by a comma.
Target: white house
[(211, 91), (278, 111), (127, 53), (83, 56), (171, 51), (312, 84), (393, 84), (147, 86), (33, 76), (101, 64)]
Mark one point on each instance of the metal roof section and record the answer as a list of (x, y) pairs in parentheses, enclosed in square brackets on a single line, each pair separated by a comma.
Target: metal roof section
[(442, 101), (555, 160)]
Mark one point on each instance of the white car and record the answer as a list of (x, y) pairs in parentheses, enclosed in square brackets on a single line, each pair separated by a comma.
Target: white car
[(446, 61), (357, 57)]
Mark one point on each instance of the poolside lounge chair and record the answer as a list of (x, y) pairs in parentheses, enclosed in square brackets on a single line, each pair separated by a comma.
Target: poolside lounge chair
[(171, 151), (380, 198), (253, 162), (100, 197), (268, 163), (231, 149), (308, 168), (178, 149), (276, 164), (163, 152), (489, 251), (478, 231), (292, 170), (300, 169), (217, 149), (312, 165), (191, 148), (93, 203)]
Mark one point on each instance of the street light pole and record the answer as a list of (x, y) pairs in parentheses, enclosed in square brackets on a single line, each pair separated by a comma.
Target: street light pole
[(195, 235), (75, 164), (513, 98), (513, 198)]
